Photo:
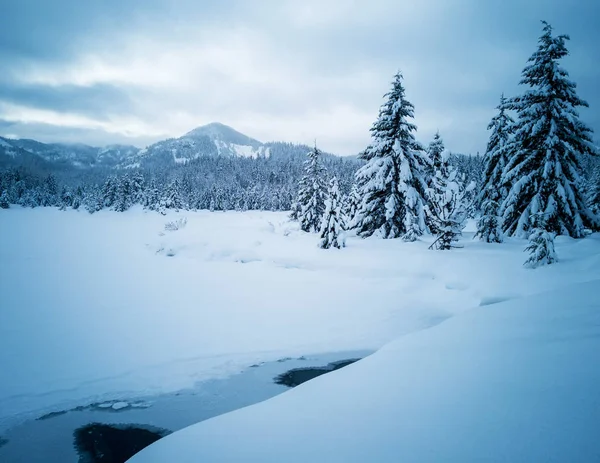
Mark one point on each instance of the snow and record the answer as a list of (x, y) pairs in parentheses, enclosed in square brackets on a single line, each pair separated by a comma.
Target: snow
[(516, 381), (120, 405), (244, 151), (106, 307)]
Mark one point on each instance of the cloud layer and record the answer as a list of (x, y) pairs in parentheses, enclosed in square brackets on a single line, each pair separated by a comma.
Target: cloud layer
[(140, 70)]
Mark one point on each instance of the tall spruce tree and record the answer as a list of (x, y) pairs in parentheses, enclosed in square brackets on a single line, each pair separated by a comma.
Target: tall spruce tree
[(332, 229), (544, 171), (493, 192), (312, 193), (392, 184)]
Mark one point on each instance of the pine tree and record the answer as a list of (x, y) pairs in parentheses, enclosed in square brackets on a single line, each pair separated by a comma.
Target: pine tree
[(549, 142), (109, 192), (437, 162), (434, 153), (50, 195), (351, 205), (594, 200), (66, 199), (4, 204), (152, 198), (172, 199), (493, 192), (391, 183), (123, 194), (541, 244), (448, 209), (312, 192), (332, 230)]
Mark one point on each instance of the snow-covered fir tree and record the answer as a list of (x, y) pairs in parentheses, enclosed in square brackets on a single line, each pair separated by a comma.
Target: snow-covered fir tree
[(448, 211), (172, 198), (549, 142), (435, 151), (541, 244), (493, 191), (123, 198), (392, 184), (332, 229), (66, 198), (594, 196), (312, 193), (4, 204), (350, 208)]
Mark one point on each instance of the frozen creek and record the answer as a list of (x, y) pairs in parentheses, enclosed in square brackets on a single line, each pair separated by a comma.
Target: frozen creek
[(113, 430)]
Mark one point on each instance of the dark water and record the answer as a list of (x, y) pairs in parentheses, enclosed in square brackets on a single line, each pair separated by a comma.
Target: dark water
[(112, 431), (103, 443), (297, 376)]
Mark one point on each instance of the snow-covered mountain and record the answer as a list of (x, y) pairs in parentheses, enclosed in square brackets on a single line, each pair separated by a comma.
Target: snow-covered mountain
[(25, 152), (214, 139)]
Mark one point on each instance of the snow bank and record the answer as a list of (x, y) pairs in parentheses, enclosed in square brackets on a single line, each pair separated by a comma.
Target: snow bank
[(110, 306), (516, 381)]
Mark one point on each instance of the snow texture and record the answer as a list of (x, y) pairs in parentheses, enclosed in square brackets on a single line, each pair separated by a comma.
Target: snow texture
[(515, 381), (105, 307)]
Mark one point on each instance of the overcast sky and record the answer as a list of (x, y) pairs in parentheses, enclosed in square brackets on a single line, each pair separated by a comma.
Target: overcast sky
[(136, 71)]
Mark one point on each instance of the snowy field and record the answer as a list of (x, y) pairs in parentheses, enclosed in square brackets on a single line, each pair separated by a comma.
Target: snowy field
[(98, 307)]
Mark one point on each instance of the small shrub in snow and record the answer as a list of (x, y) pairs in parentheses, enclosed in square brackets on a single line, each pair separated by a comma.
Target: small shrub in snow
[(175, 225), (541, 249)]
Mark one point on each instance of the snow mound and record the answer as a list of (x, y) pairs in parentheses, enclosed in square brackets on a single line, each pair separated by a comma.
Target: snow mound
[(516, 381)]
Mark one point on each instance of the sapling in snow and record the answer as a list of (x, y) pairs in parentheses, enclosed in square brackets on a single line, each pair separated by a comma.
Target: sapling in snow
[(448, 209), (332, 230), (541, 244)]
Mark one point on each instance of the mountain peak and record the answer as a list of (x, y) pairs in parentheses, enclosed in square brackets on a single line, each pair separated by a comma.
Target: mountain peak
[(217, 131)]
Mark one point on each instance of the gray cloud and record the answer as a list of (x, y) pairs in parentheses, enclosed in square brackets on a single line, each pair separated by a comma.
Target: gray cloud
[(139, 70)]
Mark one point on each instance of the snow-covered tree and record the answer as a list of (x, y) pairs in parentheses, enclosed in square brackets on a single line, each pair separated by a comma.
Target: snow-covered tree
[(152, 197), (392, 184), (172, 198), (437, 162), (123, 196), (549, 142), (448, 211), (434, 153), (66, 198), (109, 192), (49, 196), (594, 199), (541, 244), (332, 229), (4, 204), (350, 208), (312, 192), (493, 192)]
